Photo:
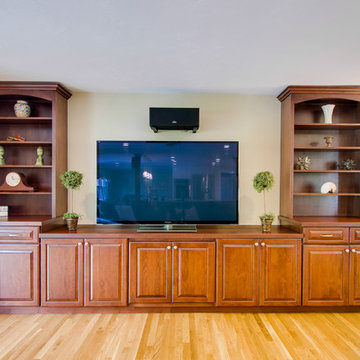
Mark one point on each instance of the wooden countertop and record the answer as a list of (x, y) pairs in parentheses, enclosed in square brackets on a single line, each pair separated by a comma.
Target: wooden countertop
[(203, 232), (321, 221)]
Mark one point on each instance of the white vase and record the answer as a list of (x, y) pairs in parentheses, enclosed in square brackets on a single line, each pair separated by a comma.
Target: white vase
[(328, 111)]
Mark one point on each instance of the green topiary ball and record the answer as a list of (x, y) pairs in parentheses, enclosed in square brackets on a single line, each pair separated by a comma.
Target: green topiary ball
[(71, 179), (263, 180)]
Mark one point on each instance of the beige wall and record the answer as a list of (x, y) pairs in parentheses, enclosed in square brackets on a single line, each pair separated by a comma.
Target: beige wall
[(253, 120)]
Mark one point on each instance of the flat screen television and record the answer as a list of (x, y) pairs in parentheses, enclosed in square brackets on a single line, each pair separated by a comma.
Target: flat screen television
[(167, 182)]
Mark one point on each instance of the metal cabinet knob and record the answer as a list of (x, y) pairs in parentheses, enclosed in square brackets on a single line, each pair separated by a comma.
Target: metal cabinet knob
[(175, 247), (256, 244), (263, 244), (86, 244), (79, 243), (347, 250), (168, 247), (353, 250)]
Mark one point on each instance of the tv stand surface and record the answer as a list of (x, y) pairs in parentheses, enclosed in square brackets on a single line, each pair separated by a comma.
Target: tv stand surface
[(167, 228)]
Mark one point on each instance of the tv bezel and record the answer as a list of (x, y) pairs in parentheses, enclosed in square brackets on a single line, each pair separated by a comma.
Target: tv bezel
[(112, 222)]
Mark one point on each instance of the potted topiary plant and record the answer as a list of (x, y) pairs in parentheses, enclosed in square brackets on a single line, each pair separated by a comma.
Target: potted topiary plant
[(262, 181), (72, 180)]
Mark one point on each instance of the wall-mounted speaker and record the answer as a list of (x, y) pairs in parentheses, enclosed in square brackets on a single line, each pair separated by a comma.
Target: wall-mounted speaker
[(174, 119)]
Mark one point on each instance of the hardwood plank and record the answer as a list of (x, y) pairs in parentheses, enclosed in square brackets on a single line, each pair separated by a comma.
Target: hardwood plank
[(181, 336)]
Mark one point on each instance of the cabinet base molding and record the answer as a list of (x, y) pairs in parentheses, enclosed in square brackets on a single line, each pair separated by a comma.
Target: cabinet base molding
[(136, 310)]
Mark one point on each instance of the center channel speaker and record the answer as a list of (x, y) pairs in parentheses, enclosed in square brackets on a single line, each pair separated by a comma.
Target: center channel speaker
[(174, 119)]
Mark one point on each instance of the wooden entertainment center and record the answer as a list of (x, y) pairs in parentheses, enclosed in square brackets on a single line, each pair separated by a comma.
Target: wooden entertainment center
[(311, 261)]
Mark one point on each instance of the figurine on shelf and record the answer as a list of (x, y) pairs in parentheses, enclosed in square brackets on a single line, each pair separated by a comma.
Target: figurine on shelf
[(40, 153), (15, 138), (329, 140), (302, 163), (2, 152), (348, 164)]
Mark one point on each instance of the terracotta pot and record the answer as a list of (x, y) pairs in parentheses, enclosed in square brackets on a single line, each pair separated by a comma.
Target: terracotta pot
[(72, 223), (266, 224)]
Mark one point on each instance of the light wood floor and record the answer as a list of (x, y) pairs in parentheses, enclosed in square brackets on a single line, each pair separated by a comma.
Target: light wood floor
[(180, 336)]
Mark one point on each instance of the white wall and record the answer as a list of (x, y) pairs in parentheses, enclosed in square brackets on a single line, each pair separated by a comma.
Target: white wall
[(253, 120)]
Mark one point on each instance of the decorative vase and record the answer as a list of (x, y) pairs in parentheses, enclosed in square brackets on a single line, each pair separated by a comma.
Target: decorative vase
[(328, 111), (266, 224), (22, 109), (72, 223)]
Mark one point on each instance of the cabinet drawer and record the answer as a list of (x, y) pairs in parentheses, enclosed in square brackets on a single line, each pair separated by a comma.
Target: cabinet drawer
[(25, 234), (326, 235), (355, 236)]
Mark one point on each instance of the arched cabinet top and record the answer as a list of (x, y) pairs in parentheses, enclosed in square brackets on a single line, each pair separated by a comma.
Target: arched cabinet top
[(40, 90), (301, 94)]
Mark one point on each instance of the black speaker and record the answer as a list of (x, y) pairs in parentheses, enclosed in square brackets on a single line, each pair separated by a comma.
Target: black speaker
[(174, 119)]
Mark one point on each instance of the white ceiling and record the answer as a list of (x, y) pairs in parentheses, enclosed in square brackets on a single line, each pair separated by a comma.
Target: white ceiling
[(176, 46)]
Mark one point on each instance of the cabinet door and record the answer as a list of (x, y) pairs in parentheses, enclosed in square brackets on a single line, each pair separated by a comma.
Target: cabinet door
[(62, 272), (150, 272), (105, 272), (194, 272), (280, 275), (354, 287), (325, 275), (19, 275), (237, 272)]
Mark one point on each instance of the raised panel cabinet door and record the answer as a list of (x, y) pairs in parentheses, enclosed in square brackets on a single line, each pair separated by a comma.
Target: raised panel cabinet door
[(105, 272), (62, 272), (19, 275), (354, 286), (326, 275), (150, 272), (280, 274), (237, 272), (194, 272)]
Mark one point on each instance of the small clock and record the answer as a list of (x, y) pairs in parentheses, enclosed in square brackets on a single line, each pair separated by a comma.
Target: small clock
[(15, 181)]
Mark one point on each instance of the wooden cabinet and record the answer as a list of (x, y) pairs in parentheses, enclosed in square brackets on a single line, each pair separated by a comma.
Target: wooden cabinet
[(238, 272), (62, 272), (178, 272), (46, 127), (66, 271), (280, 273), (105, 272), (354, 278), (331, 275), (303, 133), (150, 272), (258, 272), (193, 272), (19, 275)]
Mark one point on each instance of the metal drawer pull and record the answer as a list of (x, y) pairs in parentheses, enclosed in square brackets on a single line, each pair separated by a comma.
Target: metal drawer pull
[(13, 235), (326, 235)]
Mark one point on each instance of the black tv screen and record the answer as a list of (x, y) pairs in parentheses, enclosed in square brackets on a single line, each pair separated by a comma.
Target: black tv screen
[(172, 182)]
